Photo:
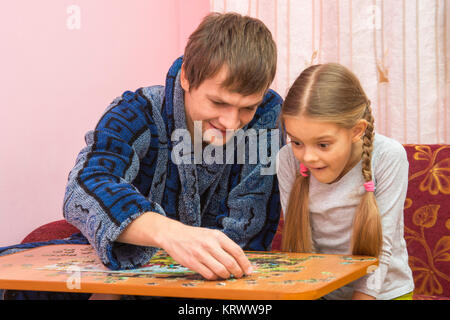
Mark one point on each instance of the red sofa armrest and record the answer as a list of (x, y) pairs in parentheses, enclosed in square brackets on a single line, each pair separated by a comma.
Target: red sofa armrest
[(54, 230)]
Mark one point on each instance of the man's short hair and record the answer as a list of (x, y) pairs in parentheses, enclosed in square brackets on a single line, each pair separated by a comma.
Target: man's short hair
[(241, 43)]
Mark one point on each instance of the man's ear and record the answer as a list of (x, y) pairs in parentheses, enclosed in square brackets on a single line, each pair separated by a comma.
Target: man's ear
[(359, 130), (183, 80)]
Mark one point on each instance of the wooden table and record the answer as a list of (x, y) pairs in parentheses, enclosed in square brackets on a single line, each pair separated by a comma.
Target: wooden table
[(277, 275)]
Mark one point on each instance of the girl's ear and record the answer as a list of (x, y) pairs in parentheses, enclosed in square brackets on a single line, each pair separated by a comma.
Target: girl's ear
[(359, 130), (183, 80)]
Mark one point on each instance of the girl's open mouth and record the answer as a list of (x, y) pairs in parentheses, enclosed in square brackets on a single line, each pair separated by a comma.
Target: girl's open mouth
[(318, 169)]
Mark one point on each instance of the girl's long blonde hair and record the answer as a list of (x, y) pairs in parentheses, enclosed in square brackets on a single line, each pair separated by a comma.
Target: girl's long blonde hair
[(332, 93)]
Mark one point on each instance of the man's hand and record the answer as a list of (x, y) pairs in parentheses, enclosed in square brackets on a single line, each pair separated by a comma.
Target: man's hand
[(206, 251)]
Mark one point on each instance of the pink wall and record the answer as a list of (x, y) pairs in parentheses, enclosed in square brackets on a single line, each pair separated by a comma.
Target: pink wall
[(56, 82)]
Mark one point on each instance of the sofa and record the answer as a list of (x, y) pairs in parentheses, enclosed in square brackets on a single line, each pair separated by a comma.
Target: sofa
[(426, 218)]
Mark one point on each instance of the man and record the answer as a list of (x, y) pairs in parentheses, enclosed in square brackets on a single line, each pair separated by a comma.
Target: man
[(130, 193)]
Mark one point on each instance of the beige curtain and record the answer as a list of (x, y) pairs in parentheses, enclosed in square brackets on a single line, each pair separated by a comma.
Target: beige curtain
[(398, 48)]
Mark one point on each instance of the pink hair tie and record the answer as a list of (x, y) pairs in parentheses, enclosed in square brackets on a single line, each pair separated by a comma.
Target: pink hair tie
[(303, 170), (370, 186)]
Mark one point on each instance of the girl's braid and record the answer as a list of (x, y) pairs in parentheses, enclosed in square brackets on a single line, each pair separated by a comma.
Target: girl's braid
[(368, 144)]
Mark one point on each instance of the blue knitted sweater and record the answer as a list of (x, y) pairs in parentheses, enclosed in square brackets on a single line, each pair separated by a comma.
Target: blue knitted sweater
[(126, 169)]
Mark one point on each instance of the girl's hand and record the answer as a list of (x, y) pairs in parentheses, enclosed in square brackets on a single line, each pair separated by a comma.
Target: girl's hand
[(361, 296)]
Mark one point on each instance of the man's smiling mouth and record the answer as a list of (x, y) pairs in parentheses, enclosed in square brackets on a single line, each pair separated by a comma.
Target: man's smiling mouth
[(223, 131)]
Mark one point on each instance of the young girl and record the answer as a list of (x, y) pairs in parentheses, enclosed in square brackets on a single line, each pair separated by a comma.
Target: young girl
[(342, 186)]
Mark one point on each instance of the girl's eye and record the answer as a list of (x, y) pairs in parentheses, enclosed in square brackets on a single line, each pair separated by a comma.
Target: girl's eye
[(324, 145), (296, 143)]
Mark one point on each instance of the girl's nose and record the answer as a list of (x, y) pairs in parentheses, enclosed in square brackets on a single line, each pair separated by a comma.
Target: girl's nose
[(309, 156)]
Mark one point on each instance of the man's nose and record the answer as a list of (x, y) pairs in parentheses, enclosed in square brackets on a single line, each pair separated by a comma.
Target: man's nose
[(229, 120)]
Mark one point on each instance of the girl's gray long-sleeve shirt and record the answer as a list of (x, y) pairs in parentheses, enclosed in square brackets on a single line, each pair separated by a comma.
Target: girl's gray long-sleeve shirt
[(332, 208)]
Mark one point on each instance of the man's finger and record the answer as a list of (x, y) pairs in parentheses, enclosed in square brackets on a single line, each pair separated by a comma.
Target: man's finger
[(237, 254), (204, 271), (228, 262), (214, 265)]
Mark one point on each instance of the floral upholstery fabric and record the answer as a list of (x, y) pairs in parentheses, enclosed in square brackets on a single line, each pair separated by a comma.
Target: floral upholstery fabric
[(427, 220)]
